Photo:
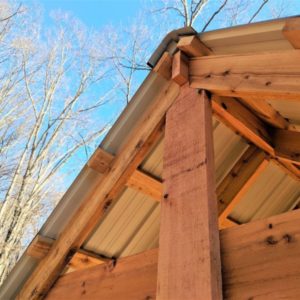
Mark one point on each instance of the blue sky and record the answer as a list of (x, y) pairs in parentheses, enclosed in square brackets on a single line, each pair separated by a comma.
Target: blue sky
[(95, 13)]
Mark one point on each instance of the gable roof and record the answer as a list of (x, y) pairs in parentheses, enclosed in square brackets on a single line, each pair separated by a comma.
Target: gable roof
[(132, 224)]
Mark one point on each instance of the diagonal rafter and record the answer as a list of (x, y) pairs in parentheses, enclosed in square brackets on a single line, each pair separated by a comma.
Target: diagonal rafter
[(143, 137)]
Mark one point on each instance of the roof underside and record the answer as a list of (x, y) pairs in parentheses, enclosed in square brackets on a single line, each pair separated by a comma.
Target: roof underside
[(132, 224)]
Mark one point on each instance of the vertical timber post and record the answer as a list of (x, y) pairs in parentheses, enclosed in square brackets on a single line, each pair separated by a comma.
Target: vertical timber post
[(189, 264)]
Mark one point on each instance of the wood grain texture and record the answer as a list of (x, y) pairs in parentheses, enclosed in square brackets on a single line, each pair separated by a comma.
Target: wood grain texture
[(132, 278), (287, 145), (242, 121), (146, 133), (40, 247), (180, 71), (145, 184), (245, 123), (260, 260), (266, 112), (275, 75), (164, 66), (192, 46), (189, 254), (291, 31), (240, 178)]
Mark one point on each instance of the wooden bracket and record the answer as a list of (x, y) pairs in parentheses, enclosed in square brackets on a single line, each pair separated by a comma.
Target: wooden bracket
[(192, 46), (164, 66), (291, 31), (180, 68)]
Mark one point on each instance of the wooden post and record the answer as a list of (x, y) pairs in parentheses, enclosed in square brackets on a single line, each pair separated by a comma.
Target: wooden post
[(189, 253)]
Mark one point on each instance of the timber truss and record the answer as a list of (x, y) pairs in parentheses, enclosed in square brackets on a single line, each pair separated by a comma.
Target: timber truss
[(192, 251)]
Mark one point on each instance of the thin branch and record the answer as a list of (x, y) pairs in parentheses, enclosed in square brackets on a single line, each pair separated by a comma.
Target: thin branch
[(258, 10)]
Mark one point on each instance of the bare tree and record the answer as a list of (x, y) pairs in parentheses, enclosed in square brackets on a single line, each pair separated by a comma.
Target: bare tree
[(205, 13), (45, 119)]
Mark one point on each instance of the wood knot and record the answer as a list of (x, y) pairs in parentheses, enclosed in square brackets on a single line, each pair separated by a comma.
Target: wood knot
[(224, 105), (268, 83), (107, 204), (221, 201), (271, 241), (270, 226), (166, 196), (227, 72), (287, 238)]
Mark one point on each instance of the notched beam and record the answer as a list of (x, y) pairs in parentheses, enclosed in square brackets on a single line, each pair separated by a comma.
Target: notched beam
[(192, 46), (81, 259), (164, 66), (180, 68), (140, 181), (291, 31), (100, 161)]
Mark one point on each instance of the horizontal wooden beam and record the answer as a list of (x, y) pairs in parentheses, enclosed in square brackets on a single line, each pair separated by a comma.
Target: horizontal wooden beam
[(143, 137), (40, 247), (146, 184), (132, 277), (291, 31), (192, 46), (275, 75), (140, 181), (260, 260)]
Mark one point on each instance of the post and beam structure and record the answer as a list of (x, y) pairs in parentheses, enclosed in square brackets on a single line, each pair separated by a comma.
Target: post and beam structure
[(189, 264), (143, 137), (260, 260)]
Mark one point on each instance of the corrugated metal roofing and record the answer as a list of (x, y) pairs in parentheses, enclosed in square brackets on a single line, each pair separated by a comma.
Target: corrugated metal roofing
[(273, 192), (133, 211), (132, 224), (289, 109)]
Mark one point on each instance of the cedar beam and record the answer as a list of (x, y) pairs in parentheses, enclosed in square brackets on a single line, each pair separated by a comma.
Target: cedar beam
[(291, 31), (189, 256), (245, 123), (239, 180), (180, 69), (266, 112), (192, 46), (144, 136), (131, 278), (40, 247), (260, 260), (164, 66), (287, 145), (140, 181), (275, 75)]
